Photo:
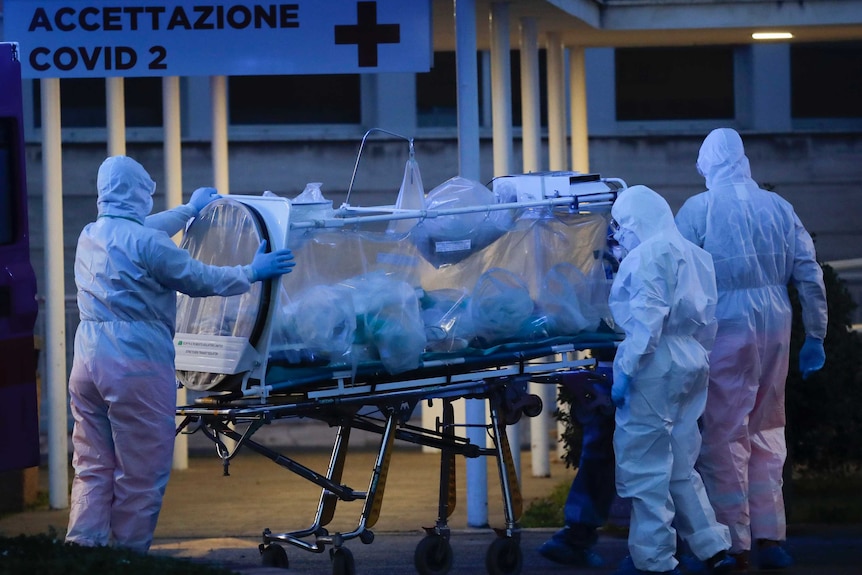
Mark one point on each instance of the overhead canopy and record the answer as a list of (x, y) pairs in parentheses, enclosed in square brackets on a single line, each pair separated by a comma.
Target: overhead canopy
[(664, 22)]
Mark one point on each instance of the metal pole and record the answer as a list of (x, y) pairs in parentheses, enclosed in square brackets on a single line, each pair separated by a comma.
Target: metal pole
[(468, 89), (556, 104), (173, 186), (221, 179), (540, 441), (55, 307), (116, 111), (501, 88), (501, 114), (468, 167), (578, 110), (218, 87), (530, 110)]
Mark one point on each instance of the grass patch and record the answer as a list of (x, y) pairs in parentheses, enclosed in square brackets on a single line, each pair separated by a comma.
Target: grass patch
[(547, 511), (833, 500), (47, 553)]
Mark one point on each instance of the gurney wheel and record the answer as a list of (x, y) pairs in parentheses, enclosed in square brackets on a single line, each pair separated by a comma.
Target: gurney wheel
[(504, 557), (433, 556), (533, 406), (274, 555), (342, 561)]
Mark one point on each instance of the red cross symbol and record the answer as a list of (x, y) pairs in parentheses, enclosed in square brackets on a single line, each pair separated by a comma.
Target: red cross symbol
[(367, 33)]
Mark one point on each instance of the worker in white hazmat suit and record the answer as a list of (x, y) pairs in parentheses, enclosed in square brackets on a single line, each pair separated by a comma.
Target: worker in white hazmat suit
[(663, 297), (758, 246), (122, 384)]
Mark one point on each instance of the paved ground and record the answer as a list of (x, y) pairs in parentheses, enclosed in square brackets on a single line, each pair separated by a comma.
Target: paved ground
[(211, 517)]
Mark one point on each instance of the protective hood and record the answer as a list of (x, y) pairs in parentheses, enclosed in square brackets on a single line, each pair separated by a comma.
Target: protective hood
[(722, 160), (125, 189), (643, 212)]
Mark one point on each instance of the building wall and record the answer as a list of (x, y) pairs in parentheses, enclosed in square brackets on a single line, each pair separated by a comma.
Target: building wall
[(817, 173)]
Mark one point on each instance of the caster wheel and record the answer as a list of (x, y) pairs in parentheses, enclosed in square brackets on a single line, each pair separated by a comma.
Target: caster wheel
[(504, 557), (533, 406), (273, 555), (433, 556), (342, 561)]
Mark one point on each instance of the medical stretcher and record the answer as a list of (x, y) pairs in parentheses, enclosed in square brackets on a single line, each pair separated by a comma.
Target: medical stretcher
[(472, 294)]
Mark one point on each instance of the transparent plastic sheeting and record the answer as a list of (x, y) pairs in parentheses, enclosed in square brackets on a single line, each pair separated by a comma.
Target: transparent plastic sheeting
[(226, 233), (358, 296)]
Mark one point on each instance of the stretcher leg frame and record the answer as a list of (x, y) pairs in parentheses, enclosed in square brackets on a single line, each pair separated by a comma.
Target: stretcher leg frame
[(512, 500), (328, 499), (387, 412)]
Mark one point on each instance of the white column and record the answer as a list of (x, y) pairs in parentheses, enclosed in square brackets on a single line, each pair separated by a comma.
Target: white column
[(468, 89), (468, 167), (532, 150), (540, 450), (501, 118), (173, 186), (556, 104), (55, 306), (530, 107), (221, 180), (116, 116), (173, 183), (501, 88), (578, 110)]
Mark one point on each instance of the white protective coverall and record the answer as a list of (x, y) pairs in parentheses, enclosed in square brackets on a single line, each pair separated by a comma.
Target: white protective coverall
[(123, 384), (664, 299), (758, 246)]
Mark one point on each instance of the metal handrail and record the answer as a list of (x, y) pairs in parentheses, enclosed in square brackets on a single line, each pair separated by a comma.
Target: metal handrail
[(359, 154)]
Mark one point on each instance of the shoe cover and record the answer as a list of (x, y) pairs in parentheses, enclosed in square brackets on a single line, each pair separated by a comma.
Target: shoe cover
[(773, 557), (564, 554)]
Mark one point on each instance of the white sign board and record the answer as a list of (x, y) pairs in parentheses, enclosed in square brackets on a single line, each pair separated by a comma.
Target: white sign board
[(98, 38)]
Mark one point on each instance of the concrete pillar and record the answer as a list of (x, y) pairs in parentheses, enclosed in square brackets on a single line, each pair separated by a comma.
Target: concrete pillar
[(556, 104), (531, 126), (578, 110)]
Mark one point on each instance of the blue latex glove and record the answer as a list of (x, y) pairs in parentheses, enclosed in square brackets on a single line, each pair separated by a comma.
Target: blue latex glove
[(812, 356), (620, 388), (202, 196), (269, 265)]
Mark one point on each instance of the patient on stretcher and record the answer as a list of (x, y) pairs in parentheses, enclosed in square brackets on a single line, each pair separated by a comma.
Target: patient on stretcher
[(365, 296)]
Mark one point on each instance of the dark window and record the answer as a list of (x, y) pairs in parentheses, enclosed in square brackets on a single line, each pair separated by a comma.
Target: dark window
[(299, 99), (825, 80), (437, 93), (692, 83), (143, 102), (83, 102), (437, 90)]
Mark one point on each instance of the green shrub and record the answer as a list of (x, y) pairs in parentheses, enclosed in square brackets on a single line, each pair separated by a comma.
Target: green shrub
[(823, 412), (47, 553)]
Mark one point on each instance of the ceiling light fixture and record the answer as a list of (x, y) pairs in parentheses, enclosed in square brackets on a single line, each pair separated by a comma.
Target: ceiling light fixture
[(772, 35)]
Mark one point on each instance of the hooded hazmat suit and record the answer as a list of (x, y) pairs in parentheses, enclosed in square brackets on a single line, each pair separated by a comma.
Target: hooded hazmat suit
[(758, 246), (122, 384), (664, 298)]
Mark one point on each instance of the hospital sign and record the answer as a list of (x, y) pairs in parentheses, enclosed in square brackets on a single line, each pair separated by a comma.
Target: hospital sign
[(99, 38)]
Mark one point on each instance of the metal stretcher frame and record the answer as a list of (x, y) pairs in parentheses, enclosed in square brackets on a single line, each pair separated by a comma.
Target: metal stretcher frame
[(369, 398), (343, 402)]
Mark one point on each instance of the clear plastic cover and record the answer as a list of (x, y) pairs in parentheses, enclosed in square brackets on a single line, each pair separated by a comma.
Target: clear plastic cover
[(225, 233), (542, 277), (358, 296)]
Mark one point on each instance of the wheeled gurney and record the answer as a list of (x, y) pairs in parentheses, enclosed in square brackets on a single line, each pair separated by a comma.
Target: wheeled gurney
[(389, 307)]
